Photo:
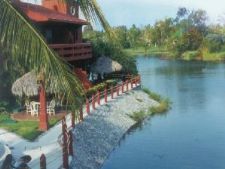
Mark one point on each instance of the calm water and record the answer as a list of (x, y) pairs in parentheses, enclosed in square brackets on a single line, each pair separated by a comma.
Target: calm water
[(192, 134)]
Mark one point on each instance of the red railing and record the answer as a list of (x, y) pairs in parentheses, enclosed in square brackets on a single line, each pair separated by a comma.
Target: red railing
[(113, 92), (73, 52), (67, 136)]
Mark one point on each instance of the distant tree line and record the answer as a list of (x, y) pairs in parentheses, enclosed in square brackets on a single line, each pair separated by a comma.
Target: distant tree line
[(188, 31)]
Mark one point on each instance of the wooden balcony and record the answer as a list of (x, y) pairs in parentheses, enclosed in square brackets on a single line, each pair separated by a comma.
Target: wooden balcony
[(73, 52)]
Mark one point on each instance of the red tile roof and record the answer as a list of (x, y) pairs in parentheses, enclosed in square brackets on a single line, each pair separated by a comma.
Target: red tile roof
[(39, 13)]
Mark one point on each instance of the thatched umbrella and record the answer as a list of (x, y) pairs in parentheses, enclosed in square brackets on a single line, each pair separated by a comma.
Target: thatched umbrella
[(26, 85), (105, 65)]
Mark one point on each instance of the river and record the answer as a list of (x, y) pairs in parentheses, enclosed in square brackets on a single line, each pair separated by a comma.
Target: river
[(192, 134)]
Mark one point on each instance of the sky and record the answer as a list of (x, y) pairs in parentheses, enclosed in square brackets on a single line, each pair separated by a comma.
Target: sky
[(143, 12)]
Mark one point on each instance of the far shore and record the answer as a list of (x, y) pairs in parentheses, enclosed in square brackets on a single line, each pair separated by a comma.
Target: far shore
[(166, 54)]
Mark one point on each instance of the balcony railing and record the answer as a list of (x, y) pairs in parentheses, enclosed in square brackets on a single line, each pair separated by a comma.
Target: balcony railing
[(73, 52)]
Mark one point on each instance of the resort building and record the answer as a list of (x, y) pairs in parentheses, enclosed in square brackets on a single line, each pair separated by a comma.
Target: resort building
[(61, 27)]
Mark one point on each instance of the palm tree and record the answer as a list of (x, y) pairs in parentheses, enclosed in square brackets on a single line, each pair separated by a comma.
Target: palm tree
[(26, 46)]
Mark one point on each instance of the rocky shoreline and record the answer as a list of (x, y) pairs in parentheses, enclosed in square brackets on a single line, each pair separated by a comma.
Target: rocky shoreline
[(2, 150), (97, 136)]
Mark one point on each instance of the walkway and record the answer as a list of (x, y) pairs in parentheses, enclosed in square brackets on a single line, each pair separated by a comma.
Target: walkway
[(46, 144)]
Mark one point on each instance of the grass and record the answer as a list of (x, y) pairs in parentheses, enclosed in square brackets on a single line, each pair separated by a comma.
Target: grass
[(215, 56), (188, 55), (204, 55), (139, 116), (135, 51), (152, 95), (156, 51), (164, 106), (164, 103), (26, 129)]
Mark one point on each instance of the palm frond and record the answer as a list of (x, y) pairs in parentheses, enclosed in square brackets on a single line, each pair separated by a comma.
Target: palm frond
[(27, 47), (93, 13)]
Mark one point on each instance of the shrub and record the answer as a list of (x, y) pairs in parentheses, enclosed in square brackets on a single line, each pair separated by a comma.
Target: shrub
[(95, 89), (214, 42), (139, 116), (190, 55), (190, 40), (111, 82), (4, 117), (3, 106), (164, 106), (153, 95)]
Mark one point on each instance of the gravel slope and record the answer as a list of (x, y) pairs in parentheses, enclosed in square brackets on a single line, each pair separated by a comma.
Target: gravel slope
[(100, 133), (2, 151)]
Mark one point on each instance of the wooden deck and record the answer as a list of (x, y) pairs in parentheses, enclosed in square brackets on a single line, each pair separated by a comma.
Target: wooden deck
[(22, 116), (73, 52)]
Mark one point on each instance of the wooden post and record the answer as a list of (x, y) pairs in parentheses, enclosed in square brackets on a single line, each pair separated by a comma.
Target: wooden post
[(105, 95), (70, 143), (99, 97), (93, 102), (65, 148), (112, 92), (73, 119), (42, 162), (87, 106), (81, 114), (43, 116)]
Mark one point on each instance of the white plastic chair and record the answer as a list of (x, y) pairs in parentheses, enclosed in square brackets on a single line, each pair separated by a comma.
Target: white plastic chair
[(35, 106), (28, 107), (51, 108)]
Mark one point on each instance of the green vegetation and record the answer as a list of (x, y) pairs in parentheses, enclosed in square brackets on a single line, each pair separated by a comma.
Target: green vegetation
[(190, 55), (140, 116), (23, 49), (103, 45), (186, 36), (156, 51), (111, 82), (164, 103), (101, 87), (153, 95), (95, 89), (212, 56), (164, 106), (26, 129)]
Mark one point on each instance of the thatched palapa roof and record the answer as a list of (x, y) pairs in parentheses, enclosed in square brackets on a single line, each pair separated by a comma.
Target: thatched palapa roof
[(26, 85), (106, 65)]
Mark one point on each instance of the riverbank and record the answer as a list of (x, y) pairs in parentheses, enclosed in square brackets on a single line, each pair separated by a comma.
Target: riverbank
[(101, 132), (203, 55), (155, 51)]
